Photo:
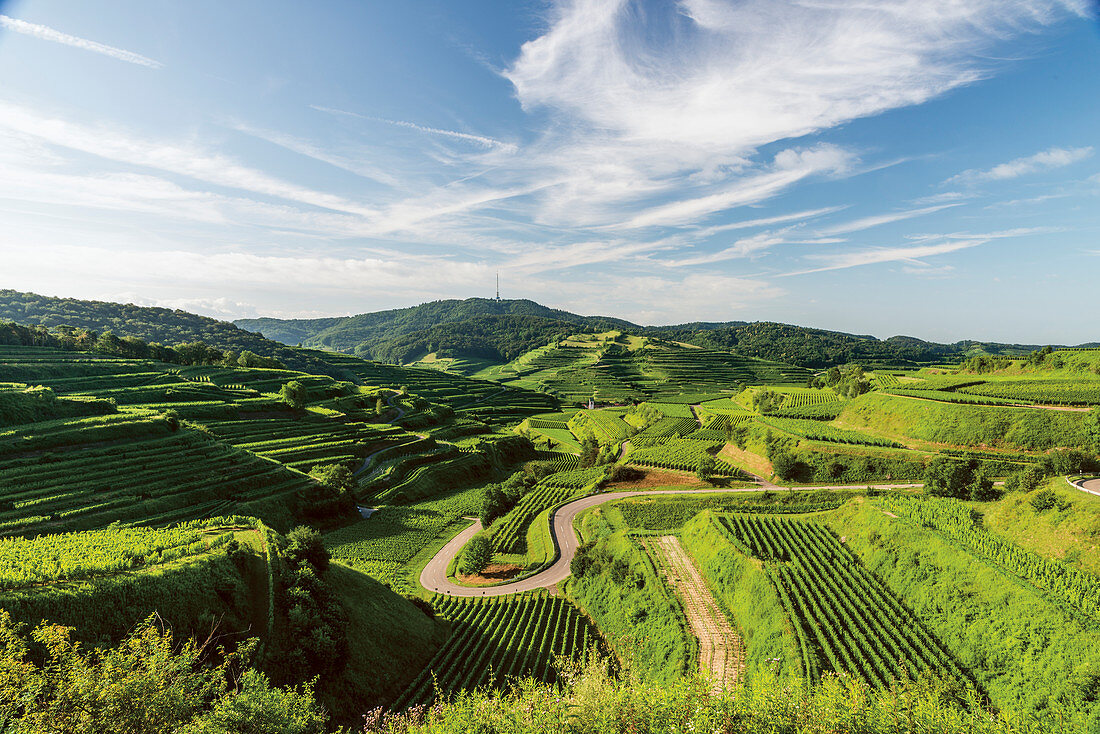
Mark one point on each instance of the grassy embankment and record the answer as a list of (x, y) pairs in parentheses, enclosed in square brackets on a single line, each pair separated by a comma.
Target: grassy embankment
[(1027, 652)]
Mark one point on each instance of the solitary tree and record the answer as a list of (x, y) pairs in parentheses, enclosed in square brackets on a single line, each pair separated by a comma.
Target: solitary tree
[(947, 478), (590, 451), (705, 468), (293, 394), (335, 476), (477, 555)]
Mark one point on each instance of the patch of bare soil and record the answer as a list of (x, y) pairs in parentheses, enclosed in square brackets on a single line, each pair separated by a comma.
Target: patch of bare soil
[(494, 573), (659, 478)]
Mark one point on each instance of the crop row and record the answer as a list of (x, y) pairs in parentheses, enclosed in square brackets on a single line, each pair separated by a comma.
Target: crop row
[(845, 618), (70, 556), (944, 396), (607, 427), (94, 474), (1049, 392), (681, 454), (820, 412), (669, 427), (509, 533), (806, 397), (496, 640)]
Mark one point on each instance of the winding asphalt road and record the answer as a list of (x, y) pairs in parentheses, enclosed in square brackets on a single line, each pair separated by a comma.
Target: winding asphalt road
[(434, 576)]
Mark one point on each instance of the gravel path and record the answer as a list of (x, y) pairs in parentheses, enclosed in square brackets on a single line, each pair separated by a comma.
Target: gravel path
[(434, 576), (721, 654)]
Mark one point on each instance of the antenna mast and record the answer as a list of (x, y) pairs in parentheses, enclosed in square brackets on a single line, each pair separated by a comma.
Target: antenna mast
[(498, 285)]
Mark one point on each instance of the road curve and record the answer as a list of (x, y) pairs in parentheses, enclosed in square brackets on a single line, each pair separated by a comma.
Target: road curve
[(434, 576)]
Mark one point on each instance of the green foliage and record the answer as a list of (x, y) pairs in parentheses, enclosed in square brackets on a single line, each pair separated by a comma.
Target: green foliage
[(669, 514), (744, 589), (139, 331), (634, 608), (146, 685), (1092, 431), (1043, 500), (20, 404), (337, 477), (510, 534), (1071, 586), (706, 467), (592, 702), (682, 455), (66, 557), (294, 394), (1028, 653), (475, 327), (816, 430), (1047, 392), (304, 545), (476, 555), (948, 478), (966, 425)]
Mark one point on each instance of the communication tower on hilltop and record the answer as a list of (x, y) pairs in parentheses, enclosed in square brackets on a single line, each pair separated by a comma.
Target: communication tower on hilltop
[(498, 286)]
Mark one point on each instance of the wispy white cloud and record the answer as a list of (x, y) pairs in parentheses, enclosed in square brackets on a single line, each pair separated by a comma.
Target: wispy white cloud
[(745, 247), (49, 34), (680, 111), (184, 160), (858, 225), (1043, 161), (800, 216), (932, 245), (316, 152), (481, 140), (789, 167)]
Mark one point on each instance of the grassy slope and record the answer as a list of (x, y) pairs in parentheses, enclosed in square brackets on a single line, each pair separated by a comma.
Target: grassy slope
[(390, 642), (643, 624), (961, 425), (1071, 534), (742, 588), (1025, 651)]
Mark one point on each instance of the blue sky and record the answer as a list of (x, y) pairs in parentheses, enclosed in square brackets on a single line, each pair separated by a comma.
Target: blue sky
[(922, 167)]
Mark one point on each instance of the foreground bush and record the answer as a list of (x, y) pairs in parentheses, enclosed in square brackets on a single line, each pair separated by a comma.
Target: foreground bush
[(146, 685), (592, 703)]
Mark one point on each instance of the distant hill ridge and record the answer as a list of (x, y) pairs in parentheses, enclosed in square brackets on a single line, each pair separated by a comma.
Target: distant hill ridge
[(481, 328), (150, 323), (501, 330)]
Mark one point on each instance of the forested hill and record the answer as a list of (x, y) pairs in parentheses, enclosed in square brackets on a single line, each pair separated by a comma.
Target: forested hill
[(151, 324), (817, 348), (807, 347), (475, 327)]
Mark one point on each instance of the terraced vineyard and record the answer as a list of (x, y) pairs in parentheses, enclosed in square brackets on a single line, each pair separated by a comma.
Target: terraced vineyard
[(478, 399), (846, 619), (71, 556), (606, 427), (74, 474), (509, 533), (303, 444), (1047, 392), (803, 397), (682, 454), (820, 431), (498, 639)]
